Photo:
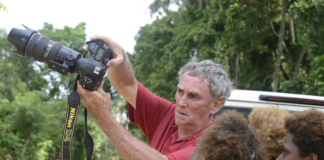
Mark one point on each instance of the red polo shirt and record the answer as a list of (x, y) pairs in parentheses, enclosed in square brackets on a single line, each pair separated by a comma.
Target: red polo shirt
[(155, 116)]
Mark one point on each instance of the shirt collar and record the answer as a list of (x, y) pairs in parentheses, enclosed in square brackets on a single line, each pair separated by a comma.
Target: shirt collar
[(195, 136)]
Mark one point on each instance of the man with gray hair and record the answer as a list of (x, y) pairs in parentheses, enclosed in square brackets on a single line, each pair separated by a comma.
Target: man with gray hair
[(171, 129)]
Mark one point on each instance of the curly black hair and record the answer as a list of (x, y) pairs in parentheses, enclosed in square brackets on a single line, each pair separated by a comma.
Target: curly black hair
[(307, 128), (230, 138)]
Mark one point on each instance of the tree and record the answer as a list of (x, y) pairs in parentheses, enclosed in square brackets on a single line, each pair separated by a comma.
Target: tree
[(33, 102), (241, 35), (280, 43), (164, 5), (32, 106), (150, 62)]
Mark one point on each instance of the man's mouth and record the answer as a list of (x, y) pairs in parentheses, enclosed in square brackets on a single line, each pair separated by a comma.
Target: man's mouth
[(181, 113)]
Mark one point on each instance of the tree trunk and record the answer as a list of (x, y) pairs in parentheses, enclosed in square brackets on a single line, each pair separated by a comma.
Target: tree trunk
[(180, 10), (237, 69), (280, 44), (300, 59), (292, 28), (25, 146), (229, 68)]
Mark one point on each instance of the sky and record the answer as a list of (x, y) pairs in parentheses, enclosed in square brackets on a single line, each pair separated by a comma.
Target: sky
[(118, 19)]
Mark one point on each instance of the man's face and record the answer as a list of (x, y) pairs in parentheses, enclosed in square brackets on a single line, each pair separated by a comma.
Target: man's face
[(289, 150), (193, 103)]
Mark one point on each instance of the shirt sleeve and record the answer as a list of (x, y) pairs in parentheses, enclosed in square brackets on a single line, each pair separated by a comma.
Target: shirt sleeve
[(150, 111), (182, 154)]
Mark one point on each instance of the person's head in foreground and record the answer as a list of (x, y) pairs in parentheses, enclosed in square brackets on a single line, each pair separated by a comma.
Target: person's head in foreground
[(229, 138), (270, 128), (305, 138), (202, 89)]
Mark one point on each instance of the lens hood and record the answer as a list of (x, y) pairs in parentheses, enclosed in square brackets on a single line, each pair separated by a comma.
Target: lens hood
[(20, 38)]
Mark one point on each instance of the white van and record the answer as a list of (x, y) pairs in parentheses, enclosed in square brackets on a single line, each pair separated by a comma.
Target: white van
[(245, 100)]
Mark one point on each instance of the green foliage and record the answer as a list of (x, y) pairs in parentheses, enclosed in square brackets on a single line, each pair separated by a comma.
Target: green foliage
[(27, 122), (150, 61), (2, 7), (241, 35), (32, 103)]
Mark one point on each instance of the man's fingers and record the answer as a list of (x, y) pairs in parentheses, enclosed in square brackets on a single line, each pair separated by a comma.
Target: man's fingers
[(100, 88), (80, 90), (83, 91), (108, 40), (88, 50), (118, 51), (102, 92), (115, 61)]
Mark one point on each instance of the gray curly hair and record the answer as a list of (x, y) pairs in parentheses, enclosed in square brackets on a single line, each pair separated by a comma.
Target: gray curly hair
[(220, 85)]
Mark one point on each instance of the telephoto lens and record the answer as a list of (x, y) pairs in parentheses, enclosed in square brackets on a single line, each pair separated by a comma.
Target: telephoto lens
[(63, 59), (31, 44)]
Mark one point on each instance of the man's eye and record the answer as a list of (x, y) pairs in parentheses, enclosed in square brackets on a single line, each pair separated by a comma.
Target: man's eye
[(180, 91)]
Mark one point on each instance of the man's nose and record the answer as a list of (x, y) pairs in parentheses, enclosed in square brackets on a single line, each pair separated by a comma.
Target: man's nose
[(183, 101)]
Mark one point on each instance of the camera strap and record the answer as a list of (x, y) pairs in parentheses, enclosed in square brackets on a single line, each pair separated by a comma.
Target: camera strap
[(71, 116)]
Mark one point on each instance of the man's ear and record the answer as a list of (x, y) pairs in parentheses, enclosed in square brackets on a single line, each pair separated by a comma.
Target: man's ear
[(217, 105), (312, 156)]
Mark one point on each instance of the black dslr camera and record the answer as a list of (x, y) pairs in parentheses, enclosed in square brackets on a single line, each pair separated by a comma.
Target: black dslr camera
[(63, 59)]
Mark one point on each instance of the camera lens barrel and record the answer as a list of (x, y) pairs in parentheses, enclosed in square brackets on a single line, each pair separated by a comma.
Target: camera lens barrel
[(63, 59), (31, 44), (42, 49)]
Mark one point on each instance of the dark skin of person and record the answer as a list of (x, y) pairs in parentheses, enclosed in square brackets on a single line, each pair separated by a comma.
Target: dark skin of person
[(290, 151)]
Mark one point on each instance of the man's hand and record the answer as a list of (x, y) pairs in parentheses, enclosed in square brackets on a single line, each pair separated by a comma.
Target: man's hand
[(120, 73), (118, 52), (98, 103)]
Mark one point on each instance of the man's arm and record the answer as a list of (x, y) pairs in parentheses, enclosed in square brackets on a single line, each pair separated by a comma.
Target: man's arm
[(98, 104), (120, 73)]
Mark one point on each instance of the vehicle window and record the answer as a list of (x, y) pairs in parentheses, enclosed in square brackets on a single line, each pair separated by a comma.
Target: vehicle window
[(244, 111)]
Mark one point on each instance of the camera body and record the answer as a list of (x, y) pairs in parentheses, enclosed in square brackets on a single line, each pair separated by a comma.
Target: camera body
[(63, 59), (93, 69)]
